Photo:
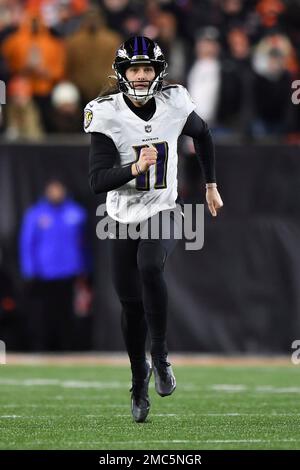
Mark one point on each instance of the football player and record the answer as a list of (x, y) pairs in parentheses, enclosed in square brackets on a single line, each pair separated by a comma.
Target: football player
[(133, 157)]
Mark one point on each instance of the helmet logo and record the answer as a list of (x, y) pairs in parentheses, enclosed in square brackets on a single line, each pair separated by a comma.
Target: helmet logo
[(122, 53), (157, 51)]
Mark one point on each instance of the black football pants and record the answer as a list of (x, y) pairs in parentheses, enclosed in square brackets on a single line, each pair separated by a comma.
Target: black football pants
[(138, 277)]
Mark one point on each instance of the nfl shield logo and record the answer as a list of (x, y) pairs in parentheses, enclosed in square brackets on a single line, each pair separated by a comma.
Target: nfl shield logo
[(148, 128)]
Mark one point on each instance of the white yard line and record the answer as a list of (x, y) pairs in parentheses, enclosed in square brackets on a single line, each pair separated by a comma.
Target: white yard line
[(68, 405), (228, 387), (271, 389), (169, 415), (257, 389), (37, 382), (182, 441), (118, 385), (10, 416)]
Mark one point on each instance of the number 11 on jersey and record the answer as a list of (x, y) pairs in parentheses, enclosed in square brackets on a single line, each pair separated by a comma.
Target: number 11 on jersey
[(143, 181)]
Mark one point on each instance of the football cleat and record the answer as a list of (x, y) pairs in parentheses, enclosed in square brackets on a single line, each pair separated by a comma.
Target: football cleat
[(165, 382), (140, 402)]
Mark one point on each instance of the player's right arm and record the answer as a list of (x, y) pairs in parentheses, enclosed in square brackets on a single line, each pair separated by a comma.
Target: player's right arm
[(103, 176), (103, 156), (104, 172)]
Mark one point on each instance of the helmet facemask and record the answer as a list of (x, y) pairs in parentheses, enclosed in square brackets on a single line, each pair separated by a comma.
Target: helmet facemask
[(128, 86)]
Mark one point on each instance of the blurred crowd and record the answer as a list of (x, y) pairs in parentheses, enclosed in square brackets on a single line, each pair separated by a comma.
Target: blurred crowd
[(238, 59)]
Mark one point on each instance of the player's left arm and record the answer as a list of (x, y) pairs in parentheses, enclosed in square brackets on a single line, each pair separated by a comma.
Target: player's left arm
[(197, 128)]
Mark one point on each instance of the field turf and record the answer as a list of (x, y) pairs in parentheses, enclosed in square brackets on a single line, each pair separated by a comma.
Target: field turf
[(88, 407)]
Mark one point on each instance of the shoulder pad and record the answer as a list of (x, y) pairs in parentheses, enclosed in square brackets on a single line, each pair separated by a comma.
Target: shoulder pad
[(172, 91), (98, 111), (169, 86), (103, 98), (179, 98)]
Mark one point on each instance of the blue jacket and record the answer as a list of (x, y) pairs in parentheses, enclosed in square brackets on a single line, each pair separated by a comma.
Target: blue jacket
[(53, 241)]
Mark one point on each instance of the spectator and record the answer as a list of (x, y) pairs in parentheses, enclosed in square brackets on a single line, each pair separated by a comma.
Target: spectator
[(191, 18), (68, 22), (50, 10), (236, 97), (34, 53), (53, 253), (173, 46), (269, 12), (90, 53), (232, 13), (272, 88), (204, 78), (66, 110), (132, 25), (6, 22), (116, 13), (22, 114)]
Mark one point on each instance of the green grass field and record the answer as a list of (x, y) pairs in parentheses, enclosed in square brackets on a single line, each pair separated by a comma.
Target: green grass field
[(88, 407)]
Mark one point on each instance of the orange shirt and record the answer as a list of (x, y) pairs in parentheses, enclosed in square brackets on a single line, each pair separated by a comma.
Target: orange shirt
[(40, 57)]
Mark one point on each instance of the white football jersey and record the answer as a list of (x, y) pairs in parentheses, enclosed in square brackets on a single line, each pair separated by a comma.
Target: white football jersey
[(145, 195)]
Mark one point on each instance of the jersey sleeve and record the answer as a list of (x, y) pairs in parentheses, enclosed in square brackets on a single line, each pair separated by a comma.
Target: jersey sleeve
[(181, 100), (188, 104), (98, 117)]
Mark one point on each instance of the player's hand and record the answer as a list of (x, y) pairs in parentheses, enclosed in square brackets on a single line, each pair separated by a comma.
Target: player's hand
[(148, 157), (214, 201)]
